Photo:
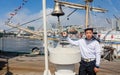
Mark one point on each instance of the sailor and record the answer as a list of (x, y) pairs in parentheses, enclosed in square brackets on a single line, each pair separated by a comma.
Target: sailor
[(90, 52)]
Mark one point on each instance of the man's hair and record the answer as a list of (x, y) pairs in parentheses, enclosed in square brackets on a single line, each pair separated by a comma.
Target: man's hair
[(88, 29)]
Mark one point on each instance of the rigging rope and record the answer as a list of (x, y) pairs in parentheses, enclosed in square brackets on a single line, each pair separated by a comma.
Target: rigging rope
[(73, 10), (27, 22), (15, 11), (113, 6)]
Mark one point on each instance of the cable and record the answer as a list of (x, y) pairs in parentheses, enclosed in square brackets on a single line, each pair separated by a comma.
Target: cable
[(27, 22), (12, 14), (113, 6), (71, 13)]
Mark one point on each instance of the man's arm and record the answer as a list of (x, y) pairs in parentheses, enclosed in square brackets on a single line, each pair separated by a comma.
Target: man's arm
[(98, 54), (65, 34), (73, 42)]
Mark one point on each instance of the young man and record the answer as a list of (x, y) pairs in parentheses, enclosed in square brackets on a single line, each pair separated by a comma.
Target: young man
[(90, 53)]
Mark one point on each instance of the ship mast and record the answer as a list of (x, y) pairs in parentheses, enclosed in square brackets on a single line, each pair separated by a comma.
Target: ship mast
[(87, 8), (83, 7), (46, 71)]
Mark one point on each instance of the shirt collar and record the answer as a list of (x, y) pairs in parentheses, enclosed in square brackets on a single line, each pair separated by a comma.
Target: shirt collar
[(93, 38)]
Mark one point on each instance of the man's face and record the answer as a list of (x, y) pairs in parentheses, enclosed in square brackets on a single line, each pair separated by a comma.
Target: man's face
[(89, 34)]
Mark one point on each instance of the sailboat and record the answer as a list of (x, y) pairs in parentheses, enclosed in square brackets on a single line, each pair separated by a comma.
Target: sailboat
[(58, 54)]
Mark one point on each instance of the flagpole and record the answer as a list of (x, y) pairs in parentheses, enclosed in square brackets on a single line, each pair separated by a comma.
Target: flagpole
[(46, 71)]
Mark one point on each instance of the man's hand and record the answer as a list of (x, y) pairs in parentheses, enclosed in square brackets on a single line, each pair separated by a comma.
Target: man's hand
[(64, 34), (96, 70)]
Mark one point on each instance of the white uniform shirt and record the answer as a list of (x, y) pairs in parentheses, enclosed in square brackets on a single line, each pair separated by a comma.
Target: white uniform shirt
[(89, 49)]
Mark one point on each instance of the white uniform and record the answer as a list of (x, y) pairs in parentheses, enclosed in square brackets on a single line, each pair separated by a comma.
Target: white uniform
[(90, 49)]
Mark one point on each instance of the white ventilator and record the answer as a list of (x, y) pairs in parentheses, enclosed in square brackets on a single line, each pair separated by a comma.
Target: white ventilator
[(64, 59)]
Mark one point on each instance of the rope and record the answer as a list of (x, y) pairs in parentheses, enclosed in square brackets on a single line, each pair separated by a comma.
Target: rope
[(27, 22), (15, 11), (113, 6)]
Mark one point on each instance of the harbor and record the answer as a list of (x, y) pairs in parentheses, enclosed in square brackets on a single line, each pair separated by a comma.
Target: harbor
[(19, 61), (57, 37)]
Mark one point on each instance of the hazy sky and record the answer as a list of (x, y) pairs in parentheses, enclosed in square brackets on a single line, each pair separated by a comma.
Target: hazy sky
[(32, 9)]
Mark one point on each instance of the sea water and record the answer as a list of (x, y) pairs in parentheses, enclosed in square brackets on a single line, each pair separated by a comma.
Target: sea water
[(13, 44)]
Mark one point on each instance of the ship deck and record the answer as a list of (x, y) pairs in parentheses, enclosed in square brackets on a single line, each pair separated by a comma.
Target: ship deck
[(22, 65)]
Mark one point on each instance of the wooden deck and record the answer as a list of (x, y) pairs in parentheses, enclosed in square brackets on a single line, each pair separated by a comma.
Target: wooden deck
[(35, 66)]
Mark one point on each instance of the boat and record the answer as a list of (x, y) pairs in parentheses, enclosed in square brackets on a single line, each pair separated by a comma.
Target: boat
[(108, 37), (64, 60)]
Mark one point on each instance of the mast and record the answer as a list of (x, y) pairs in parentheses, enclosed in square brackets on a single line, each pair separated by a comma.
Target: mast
[(87, 8), (46, 71)]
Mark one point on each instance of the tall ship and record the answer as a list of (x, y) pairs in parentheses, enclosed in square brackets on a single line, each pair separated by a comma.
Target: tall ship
[(56, 49)]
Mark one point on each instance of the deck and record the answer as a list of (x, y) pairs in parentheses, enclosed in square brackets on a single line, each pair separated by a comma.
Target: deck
[(23, 65)]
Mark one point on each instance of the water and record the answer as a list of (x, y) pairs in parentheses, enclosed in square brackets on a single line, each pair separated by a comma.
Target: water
[(19, 44), (26, 45)]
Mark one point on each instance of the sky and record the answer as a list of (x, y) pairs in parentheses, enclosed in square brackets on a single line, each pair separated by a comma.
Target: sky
[(32, 9)]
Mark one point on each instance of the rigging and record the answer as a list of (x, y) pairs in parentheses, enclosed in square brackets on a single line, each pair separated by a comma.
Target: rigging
[(12, 14)]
